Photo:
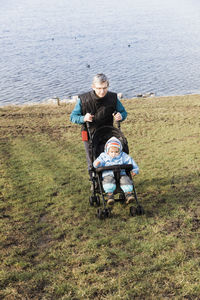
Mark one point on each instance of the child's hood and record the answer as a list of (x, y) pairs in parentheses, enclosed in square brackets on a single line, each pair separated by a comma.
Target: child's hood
[(113, 142)]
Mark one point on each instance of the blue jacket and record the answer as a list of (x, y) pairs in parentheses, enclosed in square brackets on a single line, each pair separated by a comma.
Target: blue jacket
[(77, 117), (122, 158)]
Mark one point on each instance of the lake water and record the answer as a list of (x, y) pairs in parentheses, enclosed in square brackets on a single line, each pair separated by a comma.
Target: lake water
[(53, 48)]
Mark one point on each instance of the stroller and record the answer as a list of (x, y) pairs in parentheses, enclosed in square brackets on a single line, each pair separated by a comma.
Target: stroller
[(97, 143)]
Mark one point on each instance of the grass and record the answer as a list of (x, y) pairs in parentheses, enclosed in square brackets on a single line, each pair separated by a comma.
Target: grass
[(52, 244)]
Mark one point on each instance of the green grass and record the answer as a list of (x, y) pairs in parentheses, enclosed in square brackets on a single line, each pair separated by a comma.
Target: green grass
[(52, 244)]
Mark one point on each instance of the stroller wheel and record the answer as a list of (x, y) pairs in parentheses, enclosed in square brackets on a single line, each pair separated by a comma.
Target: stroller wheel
[(122, 197), (103, 213), (93, 200), (140, 210), (133, 211), (97, 200), (107, 212), (100, 213)]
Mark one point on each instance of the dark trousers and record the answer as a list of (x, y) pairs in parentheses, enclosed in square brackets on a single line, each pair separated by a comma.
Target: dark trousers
[(88, 156)]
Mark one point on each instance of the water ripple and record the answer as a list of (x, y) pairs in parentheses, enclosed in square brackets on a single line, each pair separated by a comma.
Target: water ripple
[(46, 47)]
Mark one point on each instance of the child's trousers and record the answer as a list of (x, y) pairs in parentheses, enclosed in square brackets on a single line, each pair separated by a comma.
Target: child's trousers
[(109, 184)]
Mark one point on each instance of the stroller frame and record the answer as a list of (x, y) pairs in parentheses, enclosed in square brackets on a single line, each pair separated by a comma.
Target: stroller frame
[(97, 188)]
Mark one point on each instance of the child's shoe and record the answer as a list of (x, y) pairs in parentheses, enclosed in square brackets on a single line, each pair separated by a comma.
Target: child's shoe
[(129, 198), (111, 199)]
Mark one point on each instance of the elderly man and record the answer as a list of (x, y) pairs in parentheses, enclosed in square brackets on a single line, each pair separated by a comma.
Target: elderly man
[(97, 107)]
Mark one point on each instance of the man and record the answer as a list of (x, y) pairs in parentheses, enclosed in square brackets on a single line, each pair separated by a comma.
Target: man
[(97, 107)]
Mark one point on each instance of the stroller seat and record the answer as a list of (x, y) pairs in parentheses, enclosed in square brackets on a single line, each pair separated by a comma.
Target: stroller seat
[(97, 144)]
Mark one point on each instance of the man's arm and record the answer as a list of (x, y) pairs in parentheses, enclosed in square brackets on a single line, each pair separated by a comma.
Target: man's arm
[(120, 108), (76, 115)]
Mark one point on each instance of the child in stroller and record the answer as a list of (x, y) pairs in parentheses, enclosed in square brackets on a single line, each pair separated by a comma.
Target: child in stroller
[(113, 155), (108, 187)]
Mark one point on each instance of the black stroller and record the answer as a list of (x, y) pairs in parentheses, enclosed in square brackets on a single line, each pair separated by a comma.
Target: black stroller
[(97, 143)]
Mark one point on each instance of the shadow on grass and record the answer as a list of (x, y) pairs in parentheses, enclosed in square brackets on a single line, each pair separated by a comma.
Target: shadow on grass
[(159, 194)]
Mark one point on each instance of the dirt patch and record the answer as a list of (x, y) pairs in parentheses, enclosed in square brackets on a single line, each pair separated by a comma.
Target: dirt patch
[(19, 124), (173, 226), (195, 224)]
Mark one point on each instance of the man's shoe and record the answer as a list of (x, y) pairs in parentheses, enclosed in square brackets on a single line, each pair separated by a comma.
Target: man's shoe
[(129, 198)]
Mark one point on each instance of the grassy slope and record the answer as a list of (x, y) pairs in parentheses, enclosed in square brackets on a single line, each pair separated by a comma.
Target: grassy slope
[(53, 246)]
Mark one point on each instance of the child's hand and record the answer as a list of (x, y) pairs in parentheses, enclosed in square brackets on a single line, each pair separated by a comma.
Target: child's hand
[(97, 164), (133, 174)]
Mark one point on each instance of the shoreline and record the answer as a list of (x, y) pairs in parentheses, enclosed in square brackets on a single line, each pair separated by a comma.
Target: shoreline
[(57, 101)]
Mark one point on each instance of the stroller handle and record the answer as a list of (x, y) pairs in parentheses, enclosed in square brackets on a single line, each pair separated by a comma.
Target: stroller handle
[(118, 122), (127, 167)]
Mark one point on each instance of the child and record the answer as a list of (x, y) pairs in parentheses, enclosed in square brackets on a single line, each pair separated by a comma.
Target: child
[(113, 155)]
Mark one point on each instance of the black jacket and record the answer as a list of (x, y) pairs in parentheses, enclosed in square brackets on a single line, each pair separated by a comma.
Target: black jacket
[(101, 108)]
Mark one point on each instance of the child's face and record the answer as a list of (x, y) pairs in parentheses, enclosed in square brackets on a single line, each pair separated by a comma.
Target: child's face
[(113, 151)]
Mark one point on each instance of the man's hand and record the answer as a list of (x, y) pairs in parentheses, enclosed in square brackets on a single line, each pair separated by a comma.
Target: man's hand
[(118, 117), (88, 117), (133, 174)]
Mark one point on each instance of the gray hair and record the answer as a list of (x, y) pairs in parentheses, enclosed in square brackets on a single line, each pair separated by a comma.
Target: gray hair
[(100, 78)]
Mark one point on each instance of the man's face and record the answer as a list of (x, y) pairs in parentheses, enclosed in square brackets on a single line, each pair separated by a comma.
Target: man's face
[(100, 89)]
